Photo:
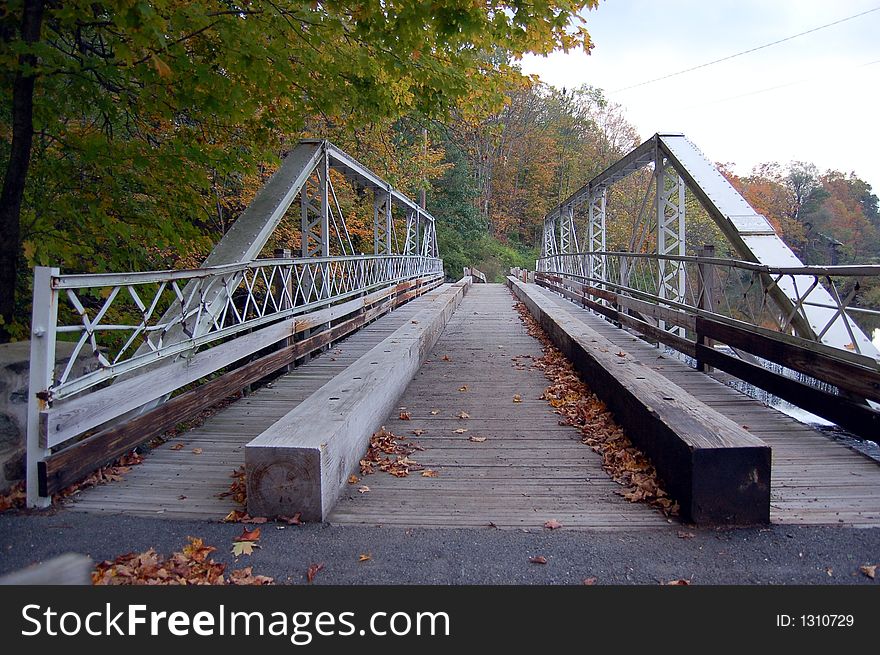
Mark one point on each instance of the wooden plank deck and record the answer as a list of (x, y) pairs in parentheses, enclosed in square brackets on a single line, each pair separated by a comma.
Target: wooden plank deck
[(814, 479), (529, 470), (182, 484)]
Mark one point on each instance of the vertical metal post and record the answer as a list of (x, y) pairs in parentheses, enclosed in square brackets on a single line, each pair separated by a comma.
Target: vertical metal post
[(596, 234), (377, 202), (670, 208), (284, 292), (705, 297), (304, 219), (42, 373), (324, 191), (388, 227)]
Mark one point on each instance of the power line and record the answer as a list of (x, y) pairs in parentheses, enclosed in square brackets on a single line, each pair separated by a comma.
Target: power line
[(745, 52), (770, 88)]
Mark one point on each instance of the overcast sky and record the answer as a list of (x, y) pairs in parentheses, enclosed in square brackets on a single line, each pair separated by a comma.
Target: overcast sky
[(827, 112)]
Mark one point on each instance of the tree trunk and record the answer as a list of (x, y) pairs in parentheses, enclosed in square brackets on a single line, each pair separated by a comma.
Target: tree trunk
[(17, 167)]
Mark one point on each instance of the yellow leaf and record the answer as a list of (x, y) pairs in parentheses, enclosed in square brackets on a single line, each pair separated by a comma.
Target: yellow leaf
[(518, 399), (364, 557), (428, 473), (460, 430), (242, 548), (161, 67), (29, 250)]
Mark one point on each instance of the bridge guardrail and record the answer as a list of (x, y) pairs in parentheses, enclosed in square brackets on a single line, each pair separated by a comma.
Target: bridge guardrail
[(733, 288), (152, 333), (730, 302)]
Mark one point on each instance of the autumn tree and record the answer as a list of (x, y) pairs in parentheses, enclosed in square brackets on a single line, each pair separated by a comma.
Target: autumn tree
[(131, 132)]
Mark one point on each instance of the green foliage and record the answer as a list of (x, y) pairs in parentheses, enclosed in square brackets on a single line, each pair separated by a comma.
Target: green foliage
[(153, 119)]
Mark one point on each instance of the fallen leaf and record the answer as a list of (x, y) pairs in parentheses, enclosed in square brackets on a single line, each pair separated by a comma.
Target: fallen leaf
[(869, 570), (259, 520), (353, 479), (405, 416), (517, 398), (620, 353), (191, 565), (464, 387), (181, 497), (177, 446), (235, 516), (460, 430), (850, 346), (245, 576), (313, 571), (590, 581), (428, 473), (364, 489), (418, 432), (492, 524), (477, 439), (680, 582), (242, 548), (292, 520), (445, 358), (414, 322), (434, 412), (249, 535), (538, 559), (463, 415), (364, 557), (682, 534), (553, 524), (197, 451)]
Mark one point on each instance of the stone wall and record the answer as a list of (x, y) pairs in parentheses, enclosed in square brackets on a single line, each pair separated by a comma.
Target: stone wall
[(14, 373)]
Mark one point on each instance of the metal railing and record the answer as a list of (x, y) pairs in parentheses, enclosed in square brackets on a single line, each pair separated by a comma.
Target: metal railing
[(738, 290), (129, 321)]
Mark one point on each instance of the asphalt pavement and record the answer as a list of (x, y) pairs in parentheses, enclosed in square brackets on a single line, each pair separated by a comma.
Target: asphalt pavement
[(823, 555)]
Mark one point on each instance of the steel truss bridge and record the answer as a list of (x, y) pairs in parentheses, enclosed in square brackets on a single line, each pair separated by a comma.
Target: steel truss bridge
[(161, 347)]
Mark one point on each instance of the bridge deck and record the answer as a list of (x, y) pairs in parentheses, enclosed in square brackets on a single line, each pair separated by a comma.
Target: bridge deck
[(814, 479), (528, 470), (183, 484)]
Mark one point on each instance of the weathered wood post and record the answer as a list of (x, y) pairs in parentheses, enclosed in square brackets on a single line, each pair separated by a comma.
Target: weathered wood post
[(705, 296)]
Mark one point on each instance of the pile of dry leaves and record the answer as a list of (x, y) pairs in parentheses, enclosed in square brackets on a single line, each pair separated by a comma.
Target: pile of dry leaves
[(579, 407), (191, 566), (399, 464), (16, 496), (238, 488)]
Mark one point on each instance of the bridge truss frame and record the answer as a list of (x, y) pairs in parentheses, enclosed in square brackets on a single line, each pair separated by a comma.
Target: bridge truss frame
[(148, 334)]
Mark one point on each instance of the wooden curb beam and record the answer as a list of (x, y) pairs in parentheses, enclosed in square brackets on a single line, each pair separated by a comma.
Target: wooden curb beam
[(302, 462), (716, 470)]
